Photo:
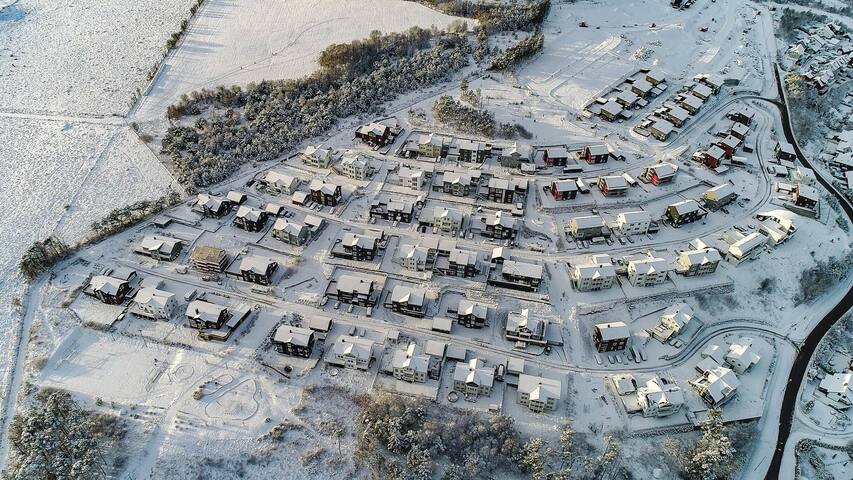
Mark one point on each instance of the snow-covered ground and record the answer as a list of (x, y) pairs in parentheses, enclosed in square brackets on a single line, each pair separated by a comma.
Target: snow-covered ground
[(231, 44)]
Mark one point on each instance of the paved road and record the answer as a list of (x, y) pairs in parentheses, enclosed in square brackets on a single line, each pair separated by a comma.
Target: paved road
[(801, 362)]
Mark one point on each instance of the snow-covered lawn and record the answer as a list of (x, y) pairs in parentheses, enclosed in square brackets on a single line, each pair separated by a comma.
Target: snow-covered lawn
[(230, 43), (82, 57)]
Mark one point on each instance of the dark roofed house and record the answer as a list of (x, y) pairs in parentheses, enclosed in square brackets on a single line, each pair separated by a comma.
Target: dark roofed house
[(684, 212), (257, 269), (374, 133), (325, 193), (596, 154), (250, 219)]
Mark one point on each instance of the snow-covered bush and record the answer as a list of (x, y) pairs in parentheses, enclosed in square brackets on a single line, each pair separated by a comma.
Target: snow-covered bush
[(42, 255), (519, 52), (463, 118)]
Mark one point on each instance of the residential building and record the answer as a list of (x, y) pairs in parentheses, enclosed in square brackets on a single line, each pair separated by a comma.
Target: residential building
[(642, 88), (393, 210), (516, 154), (784, 151), (673, 321), (352, 352), (684, 212), (290, 232), (613, 185), (408, 301), (357, 246), (413, 257), (203, 315), (741, 356), (716, 386), (522, 327), (445, 219), (154, 303), (411, 178), (471, 151), (675, 115), (470, 314), (627, 99), (499, 224), (353, 166), (596, 154), (250, 219), (838, 387), (691, 103), (660, 398), (648, 272), (462, 263), (318, 156), (742, 114), (502, 190), (109, 289), (374, 134), (208, 259), (410, 364), (655, 77), (806, 196), (257, 269), (159, 247), (430, 145), (739, 131), (539, 394), (697, 262), (661, 129), (596, 275), (661, 173), (729, 145), (610, 336), (459, 184), (586, 227), (564, 189), (277, 182), (212, 206), (473, 378), (519, 275), (355, 290), (747, 248), (634, 223), (555, 156), (719, 196), (294, 341), (611, 111), (325, 193)]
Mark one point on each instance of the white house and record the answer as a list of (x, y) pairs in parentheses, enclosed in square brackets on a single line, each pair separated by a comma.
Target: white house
[(697, 262), (410, 365), (447, 219), (353, 166), (741, 355), (413, 257), (660, 398), (539, 394), (747, 248), (154, 303), (648, 272), (596, 275), (473, 378), (352, 352), (673, 321), (318, 156), (717, 385), (838, 387), (412, 178), (634, 223)]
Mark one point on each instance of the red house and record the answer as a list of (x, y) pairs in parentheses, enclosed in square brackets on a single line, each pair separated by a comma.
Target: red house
[(564, 189), (596, 154), (714, 156)]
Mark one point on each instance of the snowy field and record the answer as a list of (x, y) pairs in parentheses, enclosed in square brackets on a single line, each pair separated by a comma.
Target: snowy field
[(84, 57), (269, 40)]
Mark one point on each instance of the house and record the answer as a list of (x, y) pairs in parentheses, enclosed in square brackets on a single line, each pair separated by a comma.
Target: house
[(515, 155), (691, 103), (459, 184), (394, 210), (627, 99), (473, 378), (352, 352), (470, 314), (564, 189), (257, 269), (408, 301), (522, 327), (235, 197), (747, 248), (661, 129), (713, 157), (499, 224), (462, 263), (430, 145), (357, 246), (838, 387), (741, 356), (374, 134), (613, 185), (519, 275), (673, 321), (676, 115), (277, 182), (610, 336), (642, 88), (471, 151), (411, 178), (290, 232), (294, 341), (596, 154), (208, 259), (445, 219), (355, 290), (300, 198), (655, 77), (785, 151), (442, 324), (716, 386), (320, 325), (318, 157), (353, 166), (625, 384), (719, 196), (684, 212), (596, 275), (611, 111), (539, 394), (410, 364), (159, 247), (556, 156), (502, 190), (274, 209), (692, 263), (742, 114), (648, 272), (729, 145), (713, 81), (739, 130), (110, 289), (325, 193), (250, 219), (203, 315), (413, 257), (660, 398), (661, 173), (806, 196), (212, 206), (634, 223), (702, 91), (154, 303), (586, 227)]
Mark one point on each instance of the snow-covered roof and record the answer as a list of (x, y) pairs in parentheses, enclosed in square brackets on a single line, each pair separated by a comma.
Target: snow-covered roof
[(205, 311), (539, 388), (663, 126), (649, 265), (595, 270), (255, 264), (701, 256), (249, 213), (350, 346), (840, 383), (523, 320), (686, 206), (564, 185), (614, 182), (295, 335), (742, 247), (613, 330), (410, 358), (408, 295), (587, 221), (629, 218), (703, 90), (719, 192), (467, 307), (612, 107), (664, 170), (153, 297), (157, 243), (288, 227), (106, 284), (355, 284), (677, 315), (522, 269), (661, 393), (692, 101), (474, 372)]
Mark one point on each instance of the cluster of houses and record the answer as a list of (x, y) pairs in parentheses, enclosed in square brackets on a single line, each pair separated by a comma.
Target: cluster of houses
[(727, 140), (378, 134), (719, 369), (822, 55), (437, 146), (678, 109), (634, 94)]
